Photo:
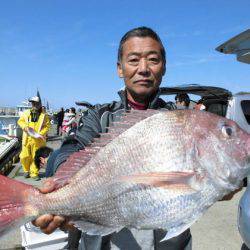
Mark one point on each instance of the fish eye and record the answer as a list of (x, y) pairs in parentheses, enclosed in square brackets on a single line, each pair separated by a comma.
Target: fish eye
[(227, 131)]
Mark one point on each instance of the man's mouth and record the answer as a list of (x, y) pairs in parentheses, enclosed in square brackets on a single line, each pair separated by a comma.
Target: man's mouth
[(144, 81)]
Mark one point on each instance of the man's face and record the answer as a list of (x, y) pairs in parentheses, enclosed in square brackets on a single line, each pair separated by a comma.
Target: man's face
[(36, 105), (141, 66)]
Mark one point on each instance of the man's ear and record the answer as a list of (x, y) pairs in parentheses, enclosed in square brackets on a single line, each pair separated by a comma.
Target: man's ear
[(42, 160), (119, 70), (164, 70)]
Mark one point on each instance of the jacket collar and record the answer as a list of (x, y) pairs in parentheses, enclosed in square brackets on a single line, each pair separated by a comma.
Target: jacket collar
[(153, 102)]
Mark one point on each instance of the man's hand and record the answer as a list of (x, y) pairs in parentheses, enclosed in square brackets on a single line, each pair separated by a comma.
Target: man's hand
[(26, 129), (48, 223), (230, 196)]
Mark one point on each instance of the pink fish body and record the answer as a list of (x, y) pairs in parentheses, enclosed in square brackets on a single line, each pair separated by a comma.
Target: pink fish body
[(154, 169)]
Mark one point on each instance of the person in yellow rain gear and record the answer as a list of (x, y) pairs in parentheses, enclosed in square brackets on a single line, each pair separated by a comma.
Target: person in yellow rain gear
[(35, 125)]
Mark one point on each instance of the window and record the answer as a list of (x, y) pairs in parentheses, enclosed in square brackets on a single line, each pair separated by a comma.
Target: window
[(245, 105), (217, 108)]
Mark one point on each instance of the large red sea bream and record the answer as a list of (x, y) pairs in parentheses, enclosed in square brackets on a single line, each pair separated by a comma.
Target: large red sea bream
[(154, 169)]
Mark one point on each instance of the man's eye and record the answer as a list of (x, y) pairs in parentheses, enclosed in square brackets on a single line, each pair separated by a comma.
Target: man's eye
[(133, 61), (154, 59)]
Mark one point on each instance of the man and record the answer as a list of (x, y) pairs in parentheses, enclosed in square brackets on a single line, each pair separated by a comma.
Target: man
[(35, 125), (41, 156), (142, 64), (200, 105), (59, 117), (182, 101)]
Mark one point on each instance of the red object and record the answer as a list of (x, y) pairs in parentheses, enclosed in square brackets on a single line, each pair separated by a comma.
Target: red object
[(137, 106), (13, 195)]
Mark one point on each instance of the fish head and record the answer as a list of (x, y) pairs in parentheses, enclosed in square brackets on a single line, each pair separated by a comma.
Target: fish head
[(223, 147)]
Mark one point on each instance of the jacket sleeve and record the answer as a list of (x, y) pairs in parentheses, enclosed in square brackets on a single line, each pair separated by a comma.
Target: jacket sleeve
[(46, 125), (22, 121), (89, 128)]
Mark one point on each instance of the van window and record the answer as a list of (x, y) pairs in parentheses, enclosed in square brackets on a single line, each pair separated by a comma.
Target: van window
[(245, 105), (217, 108)]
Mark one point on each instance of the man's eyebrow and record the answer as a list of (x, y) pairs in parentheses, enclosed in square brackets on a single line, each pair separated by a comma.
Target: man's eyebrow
[(147, 53)]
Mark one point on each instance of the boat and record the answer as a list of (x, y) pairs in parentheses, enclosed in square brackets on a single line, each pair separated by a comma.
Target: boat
[(9, 153), (22, 107), (10, 138)]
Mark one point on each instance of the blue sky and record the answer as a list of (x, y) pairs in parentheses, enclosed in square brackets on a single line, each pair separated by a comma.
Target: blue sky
[(68, 49)]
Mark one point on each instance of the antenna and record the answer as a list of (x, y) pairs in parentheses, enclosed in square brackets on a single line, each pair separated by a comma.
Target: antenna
[(38, 94)]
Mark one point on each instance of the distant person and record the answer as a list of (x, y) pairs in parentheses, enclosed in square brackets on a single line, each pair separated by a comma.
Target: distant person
[(200, 105), (43, 109), (69, 121), (182, 101), (65, 120), (41, 156), (59, 117), (35, 125)]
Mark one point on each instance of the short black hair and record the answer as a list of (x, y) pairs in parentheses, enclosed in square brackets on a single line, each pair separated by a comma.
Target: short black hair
[(73, 110), (183, 97), (141, 32), (41, 152)]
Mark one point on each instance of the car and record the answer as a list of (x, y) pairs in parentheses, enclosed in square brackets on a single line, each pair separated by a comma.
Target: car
[(214, 98), (240, 45), (217, 100)]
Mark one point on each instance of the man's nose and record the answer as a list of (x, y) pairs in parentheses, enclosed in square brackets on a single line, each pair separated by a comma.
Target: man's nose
[(143, 67)]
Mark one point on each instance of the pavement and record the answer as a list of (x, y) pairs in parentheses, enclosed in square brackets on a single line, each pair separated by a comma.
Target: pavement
[(216, 230)]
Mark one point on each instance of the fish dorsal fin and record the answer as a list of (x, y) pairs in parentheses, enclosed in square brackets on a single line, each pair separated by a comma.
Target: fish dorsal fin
[(79, 159)]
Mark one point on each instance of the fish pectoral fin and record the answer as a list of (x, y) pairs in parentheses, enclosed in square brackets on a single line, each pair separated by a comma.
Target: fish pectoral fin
[(94, 229), (188, 181), (173, 232)]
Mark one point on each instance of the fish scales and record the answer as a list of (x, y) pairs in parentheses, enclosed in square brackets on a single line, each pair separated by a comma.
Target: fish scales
[(134, 155), (124, 158)]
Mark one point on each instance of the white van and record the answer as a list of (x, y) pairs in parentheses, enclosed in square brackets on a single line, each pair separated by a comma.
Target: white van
[(239, 110), (217, 100)]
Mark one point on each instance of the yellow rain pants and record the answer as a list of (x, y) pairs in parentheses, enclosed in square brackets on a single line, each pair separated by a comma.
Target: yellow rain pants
[(30, 144)]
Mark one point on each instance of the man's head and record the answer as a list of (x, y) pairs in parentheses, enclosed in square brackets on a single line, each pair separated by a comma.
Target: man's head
[(182, 99), (41, 156), (72, 110), (141, 62), (35, 102)]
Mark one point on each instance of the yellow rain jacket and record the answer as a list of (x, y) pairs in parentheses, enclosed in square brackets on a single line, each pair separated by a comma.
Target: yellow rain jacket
[(31, 144)]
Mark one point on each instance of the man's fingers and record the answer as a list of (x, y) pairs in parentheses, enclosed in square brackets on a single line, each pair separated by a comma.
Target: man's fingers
[(48, 186), (48, 223), (67, 226), (53, 225), (231, 195), (43, 221)]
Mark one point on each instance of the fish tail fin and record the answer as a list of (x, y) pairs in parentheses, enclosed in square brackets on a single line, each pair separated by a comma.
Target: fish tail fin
[(13, 203)]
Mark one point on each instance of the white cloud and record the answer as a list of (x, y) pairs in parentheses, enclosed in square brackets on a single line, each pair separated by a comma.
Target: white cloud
[(192, 60), (112, 44)]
